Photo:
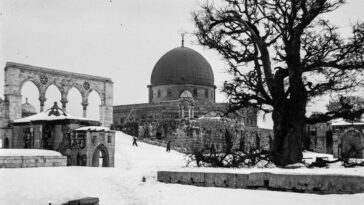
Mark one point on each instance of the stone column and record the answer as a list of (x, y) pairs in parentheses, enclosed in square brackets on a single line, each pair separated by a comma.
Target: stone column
[(182, 112), (106, 107), (12, 93), (84, 106), (189, 112), (64, 102), (42, 99)]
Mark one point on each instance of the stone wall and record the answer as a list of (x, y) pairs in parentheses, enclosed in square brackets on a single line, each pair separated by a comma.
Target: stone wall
[(198, 134), (320, 184), (32, 161), (166, 111), (335, 139)]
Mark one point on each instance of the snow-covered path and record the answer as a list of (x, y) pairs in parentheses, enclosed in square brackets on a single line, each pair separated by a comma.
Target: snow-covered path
[(123, 184)]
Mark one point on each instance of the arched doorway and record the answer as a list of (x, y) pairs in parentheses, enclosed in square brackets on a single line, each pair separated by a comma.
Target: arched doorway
[(6, 143), (100, 157), (351, 144)]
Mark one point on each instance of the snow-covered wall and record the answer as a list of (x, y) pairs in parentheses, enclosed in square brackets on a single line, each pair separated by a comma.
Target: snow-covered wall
[(32, 161), (309, 183)]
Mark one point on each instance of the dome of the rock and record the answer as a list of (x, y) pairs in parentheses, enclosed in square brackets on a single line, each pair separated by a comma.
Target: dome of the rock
[(182, 65)]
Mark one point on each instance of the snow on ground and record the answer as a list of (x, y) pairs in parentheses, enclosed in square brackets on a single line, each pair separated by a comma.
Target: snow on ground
[(123, 184), (28, 152)]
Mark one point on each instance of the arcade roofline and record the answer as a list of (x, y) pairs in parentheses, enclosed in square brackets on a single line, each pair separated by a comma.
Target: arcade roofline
[(55, 72)]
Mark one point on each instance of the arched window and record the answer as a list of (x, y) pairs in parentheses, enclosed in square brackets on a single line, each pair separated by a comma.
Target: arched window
[(159, 93), (206, 93), (195, 94)]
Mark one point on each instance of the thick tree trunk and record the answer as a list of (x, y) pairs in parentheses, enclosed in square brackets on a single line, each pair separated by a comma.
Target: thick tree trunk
[(288, 130)]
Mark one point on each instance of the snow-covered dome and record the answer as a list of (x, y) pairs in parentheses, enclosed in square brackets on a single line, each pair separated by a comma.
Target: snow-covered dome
[(182, 65), (27, 109)]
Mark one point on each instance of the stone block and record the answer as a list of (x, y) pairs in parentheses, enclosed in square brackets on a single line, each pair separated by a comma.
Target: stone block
[(242, 180), (198, 178), (225, 180), (84, 201), (184, 178), (258, 179), (210, 179), (164, 176)]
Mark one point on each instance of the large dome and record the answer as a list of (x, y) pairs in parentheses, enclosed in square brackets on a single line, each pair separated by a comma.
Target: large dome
[(182, 65)]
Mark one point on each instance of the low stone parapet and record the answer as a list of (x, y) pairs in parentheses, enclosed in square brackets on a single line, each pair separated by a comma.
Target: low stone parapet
[(84, 201), (320, 184), (32, 161)]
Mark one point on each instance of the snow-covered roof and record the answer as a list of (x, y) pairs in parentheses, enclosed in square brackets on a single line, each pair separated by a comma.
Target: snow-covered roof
[(54, 113), (341, 121), (93, 128), (211, 116), (27, 152)]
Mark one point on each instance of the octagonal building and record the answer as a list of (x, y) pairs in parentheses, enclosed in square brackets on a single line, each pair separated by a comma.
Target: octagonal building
[(182, 87), (178, 70)]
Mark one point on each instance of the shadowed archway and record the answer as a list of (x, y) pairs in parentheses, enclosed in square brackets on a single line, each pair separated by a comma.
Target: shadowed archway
[(100, 158), (352, 143)]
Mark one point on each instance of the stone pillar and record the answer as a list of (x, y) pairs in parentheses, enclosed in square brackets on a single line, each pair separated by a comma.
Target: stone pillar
[(192, 111), (64, 100), (12, 93), (189, 112), (84, 107), (42, 99), (64, 103), (106, 107)]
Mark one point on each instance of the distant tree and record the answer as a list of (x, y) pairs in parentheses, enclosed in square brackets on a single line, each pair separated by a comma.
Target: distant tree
[(351, 107), (282, 54)]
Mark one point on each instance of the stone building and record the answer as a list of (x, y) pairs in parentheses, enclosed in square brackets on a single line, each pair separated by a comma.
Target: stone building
[(181, 93), (82, 140), (338, 137), (16, 75)]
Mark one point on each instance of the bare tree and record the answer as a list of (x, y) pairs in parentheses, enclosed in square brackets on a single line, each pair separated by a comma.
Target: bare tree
[(282, 54)]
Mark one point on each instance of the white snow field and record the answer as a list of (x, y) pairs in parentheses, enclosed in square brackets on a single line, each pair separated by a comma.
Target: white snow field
[(123, 184)]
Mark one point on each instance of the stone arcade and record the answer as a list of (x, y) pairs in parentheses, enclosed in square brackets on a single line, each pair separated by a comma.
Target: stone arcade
[(82, 140)]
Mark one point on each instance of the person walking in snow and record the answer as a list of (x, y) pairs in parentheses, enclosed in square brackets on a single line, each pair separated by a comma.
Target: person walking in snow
[(168, 146), (135, 141)]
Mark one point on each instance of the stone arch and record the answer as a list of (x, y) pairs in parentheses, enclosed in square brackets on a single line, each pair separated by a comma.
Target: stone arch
[(352, 141), (51, 95), (17, 74), (100, 156), (28, 90), (94, 102), (32, 80), (74, 106)]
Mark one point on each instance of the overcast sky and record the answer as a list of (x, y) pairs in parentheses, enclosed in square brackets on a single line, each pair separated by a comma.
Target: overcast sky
[(120, 39)]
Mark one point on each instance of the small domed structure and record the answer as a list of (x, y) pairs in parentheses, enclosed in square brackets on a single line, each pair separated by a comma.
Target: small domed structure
[(27, 109)]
